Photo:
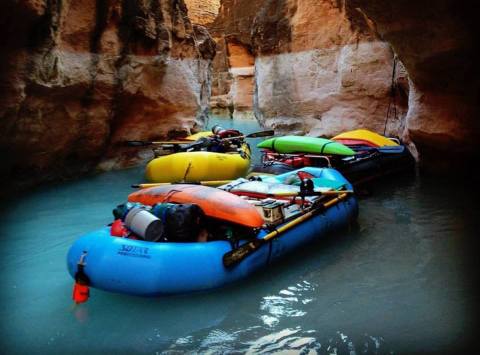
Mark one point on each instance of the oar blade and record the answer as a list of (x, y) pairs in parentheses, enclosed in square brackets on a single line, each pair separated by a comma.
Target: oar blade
[(137, 143), (235, 256), (260, 134)]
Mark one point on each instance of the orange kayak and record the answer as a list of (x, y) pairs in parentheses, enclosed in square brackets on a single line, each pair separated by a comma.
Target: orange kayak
[(214, 202)]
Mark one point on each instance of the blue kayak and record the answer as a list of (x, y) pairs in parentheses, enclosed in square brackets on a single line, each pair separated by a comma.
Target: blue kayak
[(145, 268)]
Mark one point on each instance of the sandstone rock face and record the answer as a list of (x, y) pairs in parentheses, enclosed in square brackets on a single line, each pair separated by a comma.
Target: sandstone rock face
[(322, 92), (319, 68), (202, 12), (326, 66), (233, 66), (80, 77), (235, 19), (436, 41)]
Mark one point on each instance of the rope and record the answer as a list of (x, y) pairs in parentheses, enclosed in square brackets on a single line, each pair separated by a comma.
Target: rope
[(168, 195), (393, 95), (187, 171)]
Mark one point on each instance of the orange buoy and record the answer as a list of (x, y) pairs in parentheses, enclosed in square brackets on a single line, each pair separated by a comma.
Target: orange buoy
[(81, 291)]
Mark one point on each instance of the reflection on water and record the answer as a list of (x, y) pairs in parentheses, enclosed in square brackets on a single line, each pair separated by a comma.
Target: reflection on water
[(265, 334), (398, 282), (284, 304)]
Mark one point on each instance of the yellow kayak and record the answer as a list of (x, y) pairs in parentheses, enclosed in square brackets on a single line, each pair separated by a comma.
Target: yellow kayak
[(365, 135), (199, 166)]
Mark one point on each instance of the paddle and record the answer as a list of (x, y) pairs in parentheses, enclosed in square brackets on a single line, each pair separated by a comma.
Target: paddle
[(178, 142), (235, 256), (252, 135), (147, 143), (204, 183), (312, 193), (260, 134), (386, 149)]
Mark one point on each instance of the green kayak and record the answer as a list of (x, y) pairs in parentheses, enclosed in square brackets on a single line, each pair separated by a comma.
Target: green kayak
[(302, 144)]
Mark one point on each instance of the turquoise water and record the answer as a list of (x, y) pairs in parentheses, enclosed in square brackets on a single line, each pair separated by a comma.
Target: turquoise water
[(400, 282)]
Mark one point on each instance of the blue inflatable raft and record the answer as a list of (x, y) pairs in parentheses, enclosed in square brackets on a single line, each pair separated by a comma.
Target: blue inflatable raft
[(145, 268)]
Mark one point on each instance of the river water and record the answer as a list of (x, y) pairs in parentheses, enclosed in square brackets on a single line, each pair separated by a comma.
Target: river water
[(399, 282)]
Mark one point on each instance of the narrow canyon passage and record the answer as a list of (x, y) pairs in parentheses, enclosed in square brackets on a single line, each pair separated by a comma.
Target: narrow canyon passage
[(80, 78), (111, 72)]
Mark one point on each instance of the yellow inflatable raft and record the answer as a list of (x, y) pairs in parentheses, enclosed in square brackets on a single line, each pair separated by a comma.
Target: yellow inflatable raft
[(199, 166)]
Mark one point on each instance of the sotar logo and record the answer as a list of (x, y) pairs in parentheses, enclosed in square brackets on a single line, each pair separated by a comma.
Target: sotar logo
[(130, 250)]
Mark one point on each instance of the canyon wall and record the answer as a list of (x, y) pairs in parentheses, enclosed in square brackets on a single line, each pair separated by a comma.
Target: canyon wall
[(233, 66), (319, 68), (323, 71), (437, 42), (77, 78), (202, 12), (326, 66)]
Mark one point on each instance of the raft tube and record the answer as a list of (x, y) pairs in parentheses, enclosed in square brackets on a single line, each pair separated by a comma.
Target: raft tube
[(152, 269), (199, 166)]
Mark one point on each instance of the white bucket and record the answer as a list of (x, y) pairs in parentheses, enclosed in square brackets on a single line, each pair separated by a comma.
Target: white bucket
[(144, 224)]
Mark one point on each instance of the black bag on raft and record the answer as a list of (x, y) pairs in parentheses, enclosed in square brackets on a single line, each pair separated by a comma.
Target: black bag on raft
[(169, 222), (182, 222)]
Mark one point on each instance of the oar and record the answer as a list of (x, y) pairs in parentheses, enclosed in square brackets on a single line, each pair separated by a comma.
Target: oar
[(386, 149), (397, 149), (312, 193), (177, 142), (147, 143), (260, 134), (233, 257), (204, 183)]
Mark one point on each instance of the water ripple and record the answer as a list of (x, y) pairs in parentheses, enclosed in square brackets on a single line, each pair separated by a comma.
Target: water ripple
[(282, 341), (287, 303)]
